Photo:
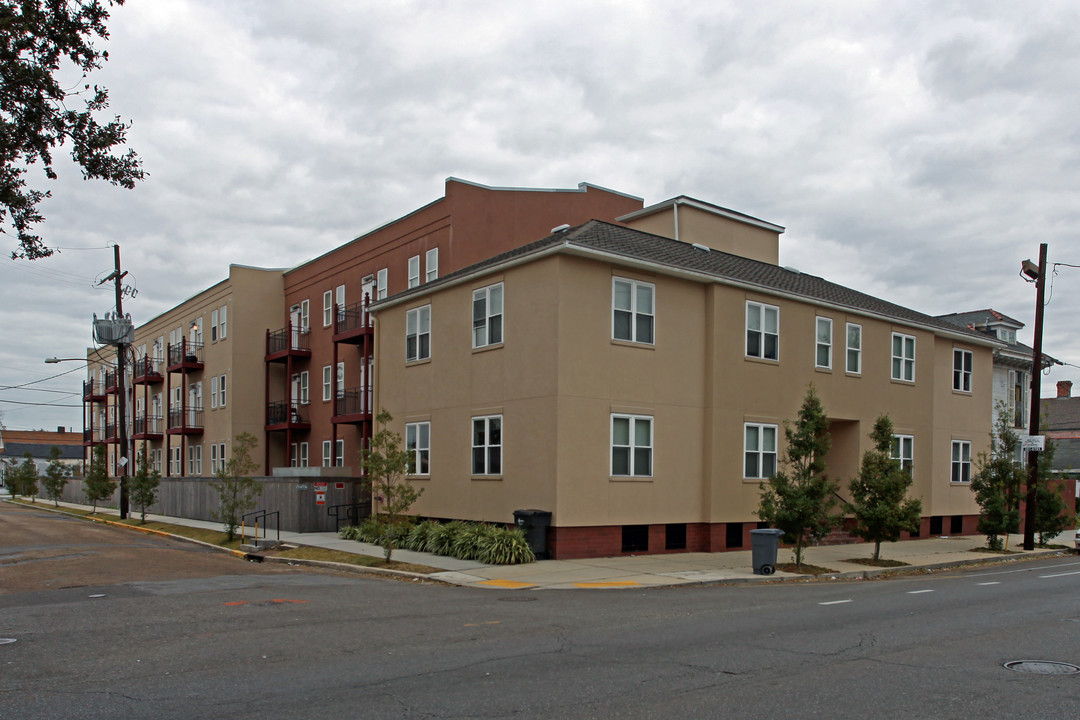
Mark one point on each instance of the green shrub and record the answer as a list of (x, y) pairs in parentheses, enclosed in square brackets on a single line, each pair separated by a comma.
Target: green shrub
[(417, 538), (505, 546), (470, 539)]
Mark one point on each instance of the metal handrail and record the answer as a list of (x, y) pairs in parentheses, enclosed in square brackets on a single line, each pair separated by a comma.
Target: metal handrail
[(261, 515), (352, 513)]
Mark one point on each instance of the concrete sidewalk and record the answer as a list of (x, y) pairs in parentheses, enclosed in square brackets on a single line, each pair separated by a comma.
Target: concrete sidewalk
[(637, 571)]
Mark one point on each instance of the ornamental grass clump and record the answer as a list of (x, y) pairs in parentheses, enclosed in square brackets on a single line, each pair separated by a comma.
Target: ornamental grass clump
[(505, 546)]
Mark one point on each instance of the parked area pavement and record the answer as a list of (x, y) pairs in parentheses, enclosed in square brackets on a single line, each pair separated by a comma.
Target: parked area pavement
[(638, 571)]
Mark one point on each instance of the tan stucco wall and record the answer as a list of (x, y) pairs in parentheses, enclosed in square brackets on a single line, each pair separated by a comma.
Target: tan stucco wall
[(711, 230)]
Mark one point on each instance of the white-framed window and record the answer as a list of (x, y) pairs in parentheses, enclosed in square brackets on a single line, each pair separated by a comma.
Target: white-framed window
[(194, 459), (903, 357), (327, 454), (221, 456), (414, 271), (487, 445), (223, 325), (762, 331), (632, 310), (294, 455), (961, 461), (175, 461), (418, 334), (903, 449), (961, 370), (305, 316), (327, 308), (339, 454), (1017, 398), (213, 392), (487, 306), (213, 325), (214, 459), (303, 460), (305, 398), (155, 455), (431, 263), (823, 344), (341, 378), (418, 445), (339, 298), (382, 283), (327, 383), (221, 390), (196, 331), (854, 348), (759, 450), (631, 445)]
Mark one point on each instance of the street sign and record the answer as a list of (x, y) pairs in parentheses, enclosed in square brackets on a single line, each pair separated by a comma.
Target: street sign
[(1033, 442)]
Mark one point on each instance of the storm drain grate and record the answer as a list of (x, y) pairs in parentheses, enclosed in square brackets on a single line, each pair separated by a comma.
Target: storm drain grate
[(1043, 667), (517, 598)]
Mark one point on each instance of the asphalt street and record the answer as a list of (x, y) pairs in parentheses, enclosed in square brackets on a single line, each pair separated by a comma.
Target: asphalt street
[(242, 643)]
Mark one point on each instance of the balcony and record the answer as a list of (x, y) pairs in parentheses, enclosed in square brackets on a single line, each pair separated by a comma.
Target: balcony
[(111, 386), (352, 324), (288, 342), (93, 437), (109, 433), (185, 421), (147, 371), (281, 415), (148, 427), (92, 392), (352, 406), (185, 357)]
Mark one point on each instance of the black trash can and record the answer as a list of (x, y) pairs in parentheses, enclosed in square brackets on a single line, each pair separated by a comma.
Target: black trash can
[(534, 523), (764, 544)]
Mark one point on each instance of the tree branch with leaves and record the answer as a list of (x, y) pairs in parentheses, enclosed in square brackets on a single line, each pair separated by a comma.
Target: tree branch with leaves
[(386, 466)]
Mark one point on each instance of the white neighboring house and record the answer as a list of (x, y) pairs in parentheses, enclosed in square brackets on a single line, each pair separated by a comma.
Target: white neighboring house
[(1012, 364), (14, 444)]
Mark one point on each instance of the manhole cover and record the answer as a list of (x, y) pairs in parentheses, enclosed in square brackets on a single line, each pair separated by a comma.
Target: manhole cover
[(517, 598), (6, 641), (1043, 667)]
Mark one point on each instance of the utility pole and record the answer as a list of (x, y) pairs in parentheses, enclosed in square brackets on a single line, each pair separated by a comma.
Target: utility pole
[(1036, 392), (121, 389)]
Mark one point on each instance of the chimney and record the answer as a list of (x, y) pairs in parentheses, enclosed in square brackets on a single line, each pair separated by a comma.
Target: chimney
[(60, 429), (1064, 388)]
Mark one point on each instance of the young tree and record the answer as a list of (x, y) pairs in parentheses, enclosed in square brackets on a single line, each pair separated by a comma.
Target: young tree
[(26, 477), (41, 39), (237, 489), (99, 486), (1051, 513), (386, 465), (56, 476), (879, 492), (144, 485), (802, 500), (997, 483)]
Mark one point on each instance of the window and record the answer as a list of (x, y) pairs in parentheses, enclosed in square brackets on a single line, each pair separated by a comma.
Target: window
[(156, 455), (431, 262), (903, 357), (631, 445), (381, 284), (1017, 406), (339, 455), (327, 382), (213, 458), (213, 325), (760, 451), (327, 308), (213, 392), (418, 334), (304, 397), (961, 461), (487, 445), (823, 352), (223, 316), (175, 461), (221, 455), (418, 445), (303, 460), (221, 391), (305, 316), (487, 304), (762, 331), (339, 298), (854, 348), (294, 455), (903, 450), (632, 310), (194, 459), (327, 455), (341, 378), (414, 271), (961, 370)]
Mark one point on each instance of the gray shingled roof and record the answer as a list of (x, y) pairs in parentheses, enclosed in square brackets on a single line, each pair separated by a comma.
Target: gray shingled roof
[(41, 452), (638, 246), (1060, 413), (980, 317)]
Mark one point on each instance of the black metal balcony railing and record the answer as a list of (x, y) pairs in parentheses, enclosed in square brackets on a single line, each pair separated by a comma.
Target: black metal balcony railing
[(185, 352), (352, 317), (287, 338), (281, 413), (147, 366), (92, 390), (110, 431), (148, 425), (93, 436), (110, 381), (191, 417), (353, 401)]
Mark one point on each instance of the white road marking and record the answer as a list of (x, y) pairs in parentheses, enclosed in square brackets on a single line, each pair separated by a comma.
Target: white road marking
[(1009, 572), (835, 602), (918, 592), (995, 582), (1074, 572)]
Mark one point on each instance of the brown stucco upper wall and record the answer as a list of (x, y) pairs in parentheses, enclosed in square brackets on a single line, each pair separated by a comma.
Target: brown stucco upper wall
[(712, 230)]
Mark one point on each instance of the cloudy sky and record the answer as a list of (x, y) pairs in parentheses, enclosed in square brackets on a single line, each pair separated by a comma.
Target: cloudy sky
[(917, 151)]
